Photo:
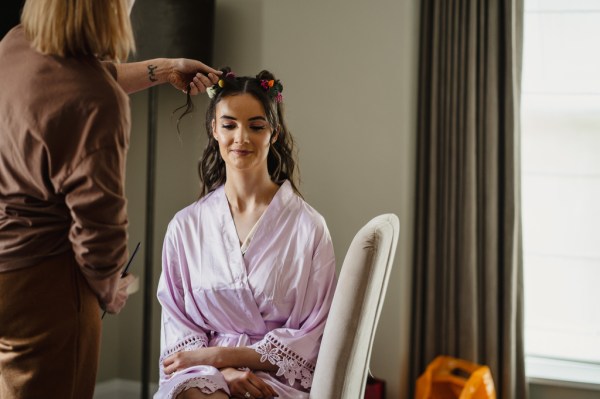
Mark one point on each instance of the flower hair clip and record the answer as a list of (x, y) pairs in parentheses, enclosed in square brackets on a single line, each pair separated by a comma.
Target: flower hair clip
[(214, 89), (211, 91), (273, 89)]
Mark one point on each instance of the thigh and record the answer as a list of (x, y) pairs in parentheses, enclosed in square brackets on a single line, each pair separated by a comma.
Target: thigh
[(49, 332), (195, 393)]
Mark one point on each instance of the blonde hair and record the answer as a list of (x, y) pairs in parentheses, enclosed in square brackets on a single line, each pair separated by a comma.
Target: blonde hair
[(99, 28)]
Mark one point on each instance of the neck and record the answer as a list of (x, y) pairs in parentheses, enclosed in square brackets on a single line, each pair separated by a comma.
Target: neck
[(248, 191)]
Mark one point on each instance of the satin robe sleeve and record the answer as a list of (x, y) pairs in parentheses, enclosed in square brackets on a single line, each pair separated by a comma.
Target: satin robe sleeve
[(178, 331), (295, 346)]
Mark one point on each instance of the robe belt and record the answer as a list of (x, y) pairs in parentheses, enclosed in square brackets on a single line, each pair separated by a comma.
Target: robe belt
[(242, 338)]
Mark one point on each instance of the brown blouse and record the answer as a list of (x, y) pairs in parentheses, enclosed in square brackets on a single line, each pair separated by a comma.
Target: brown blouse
[(64, 134)]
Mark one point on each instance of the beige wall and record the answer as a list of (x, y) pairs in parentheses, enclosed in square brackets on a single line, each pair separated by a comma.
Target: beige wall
[(349, 70)]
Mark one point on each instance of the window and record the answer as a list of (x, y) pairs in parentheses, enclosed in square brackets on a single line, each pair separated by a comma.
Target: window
[(561, 180)]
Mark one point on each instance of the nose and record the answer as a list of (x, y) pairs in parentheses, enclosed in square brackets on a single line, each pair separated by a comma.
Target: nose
[(241, 134)]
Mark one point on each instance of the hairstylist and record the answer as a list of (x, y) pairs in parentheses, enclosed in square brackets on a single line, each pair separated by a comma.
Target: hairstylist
[(64, 134)]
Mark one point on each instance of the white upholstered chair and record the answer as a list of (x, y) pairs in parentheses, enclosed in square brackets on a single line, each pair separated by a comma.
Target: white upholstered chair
[(343, 363)]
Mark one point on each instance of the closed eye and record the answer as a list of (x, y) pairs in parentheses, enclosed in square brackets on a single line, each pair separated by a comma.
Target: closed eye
[(228, 126), (258, 128)]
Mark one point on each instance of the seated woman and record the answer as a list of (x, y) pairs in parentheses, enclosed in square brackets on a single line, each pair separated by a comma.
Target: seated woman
[(248, 270)]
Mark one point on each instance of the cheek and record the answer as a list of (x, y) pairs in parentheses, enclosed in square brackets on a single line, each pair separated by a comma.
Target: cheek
[(222, 146), (221, 138), (265, 141)]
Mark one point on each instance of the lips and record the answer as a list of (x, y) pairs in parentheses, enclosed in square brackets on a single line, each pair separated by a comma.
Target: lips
[(240, 151)]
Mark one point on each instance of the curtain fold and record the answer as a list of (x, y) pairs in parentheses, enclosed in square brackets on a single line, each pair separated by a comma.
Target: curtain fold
[(468, 284)]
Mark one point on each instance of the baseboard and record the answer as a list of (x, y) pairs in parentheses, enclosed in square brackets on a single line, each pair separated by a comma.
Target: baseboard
[(120, 389)]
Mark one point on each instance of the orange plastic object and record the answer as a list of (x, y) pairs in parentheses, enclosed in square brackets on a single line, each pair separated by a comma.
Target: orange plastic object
[(450, 378)]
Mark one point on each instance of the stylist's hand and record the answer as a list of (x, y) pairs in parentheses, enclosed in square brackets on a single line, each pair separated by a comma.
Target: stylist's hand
[(125, 287), (242, 381), (192, 74)]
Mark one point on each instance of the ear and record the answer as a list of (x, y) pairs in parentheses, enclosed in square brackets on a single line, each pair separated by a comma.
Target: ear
[(275, 136), (213, 124)]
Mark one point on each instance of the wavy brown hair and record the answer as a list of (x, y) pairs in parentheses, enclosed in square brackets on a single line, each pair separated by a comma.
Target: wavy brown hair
[(281, 162)]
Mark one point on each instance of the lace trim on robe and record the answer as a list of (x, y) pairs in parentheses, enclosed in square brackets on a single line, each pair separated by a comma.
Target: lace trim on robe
[(205, 385), (292, 366), (186, 344)]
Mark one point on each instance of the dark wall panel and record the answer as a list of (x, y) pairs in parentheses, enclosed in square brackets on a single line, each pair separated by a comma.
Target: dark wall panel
[(10, 15), (167, 28)]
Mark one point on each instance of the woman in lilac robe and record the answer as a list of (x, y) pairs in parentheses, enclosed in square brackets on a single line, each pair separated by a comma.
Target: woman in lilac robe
[(248, 270)]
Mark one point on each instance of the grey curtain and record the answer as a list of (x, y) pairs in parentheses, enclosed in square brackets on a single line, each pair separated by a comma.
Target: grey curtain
[(467, 288)]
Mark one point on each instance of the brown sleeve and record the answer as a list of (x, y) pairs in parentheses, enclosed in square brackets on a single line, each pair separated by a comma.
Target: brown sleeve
[(94, 194)]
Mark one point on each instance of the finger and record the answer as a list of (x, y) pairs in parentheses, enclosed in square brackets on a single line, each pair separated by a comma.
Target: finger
[(169, 370), (253, 391), (126, 280), (267, 390), (169, 366), (193, 89), (206, 69), (168, 361), (129, 283), (213, 78), (133, 287), (199, 84), (116, 305), (203, 79), (272, 392)]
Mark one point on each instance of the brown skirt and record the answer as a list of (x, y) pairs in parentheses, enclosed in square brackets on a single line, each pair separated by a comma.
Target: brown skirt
[(49, 332)]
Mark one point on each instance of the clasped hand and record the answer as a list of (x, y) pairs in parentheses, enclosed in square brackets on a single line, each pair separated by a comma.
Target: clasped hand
[(204, 356), (239, 382)]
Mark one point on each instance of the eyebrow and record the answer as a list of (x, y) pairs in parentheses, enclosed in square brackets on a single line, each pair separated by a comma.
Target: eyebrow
[(254, 118)]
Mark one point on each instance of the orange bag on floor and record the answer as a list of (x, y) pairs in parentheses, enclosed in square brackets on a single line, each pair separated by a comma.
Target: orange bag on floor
[(450, 378)]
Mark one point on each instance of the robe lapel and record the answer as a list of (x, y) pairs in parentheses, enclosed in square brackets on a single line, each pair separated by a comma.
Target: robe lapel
[(230, 237), (244, 266), (267, 222)]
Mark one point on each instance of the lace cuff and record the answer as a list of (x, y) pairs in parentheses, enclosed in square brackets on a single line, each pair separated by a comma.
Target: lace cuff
[(187, 344), (292, 366), (206, 386)]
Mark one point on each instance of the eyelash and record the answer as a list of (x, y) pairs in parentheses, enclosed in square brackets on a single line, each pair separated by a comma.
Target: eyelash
[(255, 128)]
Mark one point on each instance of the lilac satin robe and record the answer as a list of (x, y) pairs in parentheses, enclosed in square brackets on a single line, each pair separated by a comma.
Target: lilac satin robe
[(274, 299)]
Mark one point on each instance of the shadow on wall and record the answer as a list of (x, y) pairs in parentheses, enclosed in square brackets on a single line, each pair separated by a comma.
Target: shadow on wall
[(244, 54)]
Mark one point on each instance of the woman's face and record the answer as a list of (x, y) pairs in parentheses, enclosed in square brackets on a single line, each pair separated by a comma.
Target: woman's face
[(243, 133)]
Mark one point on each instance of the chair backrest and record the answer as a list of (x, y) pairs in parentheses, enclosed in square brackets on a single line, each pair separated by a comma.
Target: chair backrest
[(343, 363)]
